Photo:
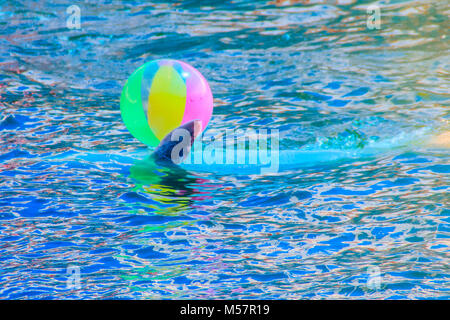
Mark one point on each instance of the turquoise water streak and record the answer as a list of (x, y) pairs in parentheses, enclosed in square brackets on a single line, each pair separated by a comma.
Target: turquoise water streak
[(74, 193)]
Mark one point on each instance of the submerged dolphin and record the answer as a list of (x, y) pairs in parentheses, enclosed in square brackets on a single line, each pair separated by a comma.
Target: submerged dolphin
[(175, 149), (173, 155)]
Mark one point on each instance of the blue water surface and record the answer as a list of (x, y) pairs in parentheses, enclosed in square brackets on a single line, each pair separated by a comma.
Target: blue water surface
[(313, 70)]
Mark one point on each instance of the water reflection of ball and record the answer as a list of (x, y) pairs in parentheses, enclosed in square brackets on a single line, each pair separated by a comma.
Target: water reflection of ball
[(160, 96)]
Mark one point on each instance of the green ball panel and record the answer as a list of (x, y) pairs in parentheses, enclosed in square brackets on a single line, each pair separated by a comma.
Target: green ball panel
[(132, 111)]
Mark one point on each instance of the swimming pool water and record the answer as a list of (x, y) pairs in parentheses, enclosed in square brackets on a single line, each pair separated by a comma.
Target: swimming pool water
[(374, 227)]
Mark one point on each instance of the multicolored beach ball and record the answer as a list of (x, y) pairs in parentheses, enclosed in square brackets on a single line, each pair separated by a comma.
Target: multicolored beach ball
[(160, 96)]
